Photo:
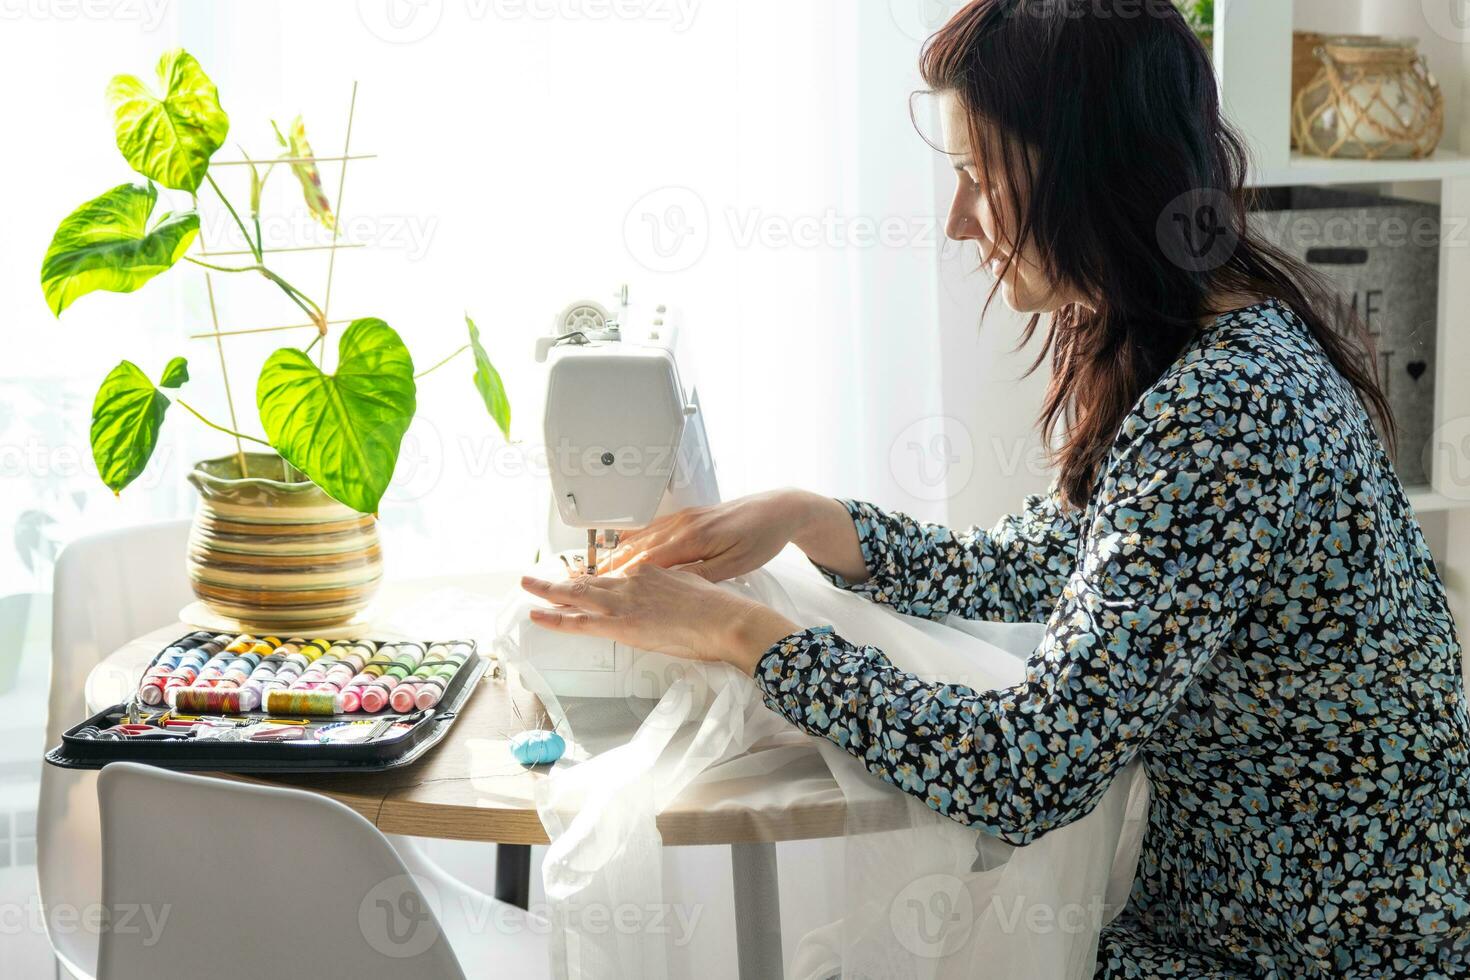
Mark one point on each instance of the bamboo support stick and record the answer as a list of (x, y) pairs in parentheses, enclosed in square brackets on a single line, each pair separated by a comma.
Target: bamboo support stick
[(291, 248), (337, 217), (249, 330), (219, 346), (343, 158), (332, 249)]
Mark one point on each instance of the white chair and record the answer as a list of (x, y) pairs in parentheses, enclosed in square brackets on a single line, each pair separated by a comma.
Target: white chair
[(234, 880), (109, 588)]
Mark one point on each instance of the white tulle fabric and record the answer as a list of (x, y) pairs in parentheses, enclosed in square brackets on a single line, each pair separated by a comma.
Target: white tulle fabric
[(926, 898)]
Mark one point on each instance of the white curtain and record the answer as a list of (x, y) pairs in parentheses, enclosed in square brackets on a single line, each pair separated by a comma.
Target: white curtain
[(752, 164)]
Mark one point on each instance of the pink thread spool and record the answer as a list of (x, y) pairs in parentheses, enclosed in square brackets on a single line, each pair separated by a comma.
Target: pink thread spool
[(406, 661), (375, 696), (443, 662), (340, 674), (315, 674), (182, 677), (404, 696), (353, 659), (308, 681), (351, 698), (150, 691), (353, 693), (214, 669), (240, 669)]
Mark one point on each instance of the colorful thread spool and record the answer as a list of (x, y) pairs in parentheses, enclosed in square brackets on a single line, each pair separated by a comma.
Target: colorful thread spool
[(206, 674), (375, 695), (215, 672), (240, 644), (438, 673), (207, 700), (371, 671), (236, 673), (350, 662), (292, 661), (183, 675), (151, 688), (264, 673), (314, 703), (404, 696), (315, 673)]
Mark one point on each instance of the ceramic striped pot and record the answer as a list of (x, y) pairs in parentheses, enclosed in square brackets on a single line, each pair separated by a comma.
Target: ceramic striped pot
[(277, 553)]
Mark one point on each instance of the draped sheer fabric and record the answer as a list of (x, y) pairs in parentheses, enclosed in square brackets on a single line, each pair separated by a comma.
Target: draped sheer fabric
[(925, 898)]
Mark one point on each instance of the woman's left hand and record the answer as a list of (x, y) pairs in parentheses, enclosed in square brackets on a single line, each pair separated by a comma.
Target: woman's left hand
[(663, 610)]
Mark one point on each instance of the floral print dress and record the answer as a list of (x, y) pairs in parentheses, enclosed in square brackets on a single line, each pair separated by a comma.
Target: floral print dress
[(1248, 606)]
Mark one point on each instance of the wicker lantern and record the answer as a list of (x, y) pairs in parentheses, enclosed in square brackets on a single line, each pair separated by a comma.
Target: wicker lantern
[(1374, 98)]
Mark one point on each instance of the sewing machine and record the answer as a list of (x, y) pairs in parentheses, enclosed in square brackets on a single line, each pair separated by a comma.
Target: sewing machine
[(625, 443)]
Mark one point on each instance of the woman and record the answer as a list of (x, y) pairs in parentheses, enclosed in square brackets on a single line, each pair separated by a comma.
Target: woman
[(1234, 585)]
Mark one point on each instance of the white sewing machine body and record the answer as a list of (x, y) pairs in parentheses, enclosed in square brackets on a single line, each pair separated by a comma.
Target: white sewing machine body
[(625, 443)]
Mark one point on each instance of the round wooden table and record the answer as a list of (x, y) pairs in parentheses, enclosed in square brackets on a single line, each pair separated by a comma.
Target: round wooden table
[(470, 788)]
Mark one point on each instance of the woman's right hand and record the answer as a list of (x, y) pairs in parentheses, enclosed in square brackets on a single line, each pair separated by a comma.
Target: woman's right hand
[(720, 541)]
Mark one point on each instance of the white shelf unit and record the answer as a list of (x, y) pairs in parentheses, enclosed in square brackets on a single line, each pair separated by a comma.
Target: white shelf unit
[(1302, 169), (1253, 55)]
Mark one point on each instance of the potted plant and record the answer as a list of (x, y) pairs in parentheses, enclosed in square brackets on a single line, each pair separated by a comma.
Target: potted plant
[(284, 537)]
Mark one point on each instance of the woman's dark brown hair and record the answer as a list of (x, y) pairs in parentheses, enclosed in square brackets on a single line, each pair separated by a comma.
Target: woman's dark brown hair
[(1099, 121)]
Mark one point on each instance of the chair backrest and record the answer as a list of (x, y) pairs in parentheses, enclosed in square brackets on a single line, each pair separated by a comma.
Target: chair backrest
[(229, 880), (108, 589)]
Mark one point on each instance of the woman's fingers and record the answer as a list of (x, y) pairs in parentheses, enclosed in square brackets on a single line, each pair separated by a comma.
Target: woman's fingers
[(658, 531), (663, 555), (564, 621), (715, 569), (621, 557), (648, 533), (582, 592)]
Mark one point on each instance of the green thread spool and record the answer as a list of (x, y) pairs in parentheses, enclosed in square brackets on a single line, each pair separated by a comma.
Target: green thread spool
[(302, 703)]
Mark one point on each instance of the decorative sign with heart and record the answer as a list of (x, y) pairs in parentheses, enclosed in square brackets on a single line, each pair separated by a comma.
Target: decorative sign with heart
[(1382, 256)]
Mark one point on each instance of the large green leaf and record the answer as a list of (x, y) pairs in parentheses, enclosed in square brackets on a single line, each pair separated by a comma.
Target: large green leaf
[(169, 139), (107, 244), (342, 430), (487, 381), (125, 418)]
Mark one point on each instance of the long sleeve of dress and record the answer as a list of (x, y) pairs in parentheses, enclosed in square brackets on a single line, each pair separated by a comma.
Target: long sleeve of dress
[(1182, 529), (1011, 573)]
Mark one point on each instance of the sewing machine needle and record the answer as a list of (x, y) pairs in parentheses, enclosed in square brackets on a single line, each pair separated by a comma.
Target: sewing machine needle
[(592, 551)]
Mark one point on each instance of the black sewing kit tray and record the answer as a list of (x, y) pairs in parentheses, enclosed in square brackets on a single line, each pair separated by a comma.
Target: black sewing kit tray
[(401, 738)]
